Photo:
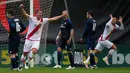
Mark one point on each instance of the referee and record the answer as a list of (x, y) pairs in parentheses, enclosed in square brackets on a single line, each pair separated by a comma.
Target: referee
[(16, 27)]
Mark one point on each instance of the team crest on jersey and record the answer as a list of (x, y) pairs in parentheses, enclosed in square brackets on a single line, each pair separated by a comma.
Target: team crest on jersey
[(94, 21), (62, 26), (64, 23)]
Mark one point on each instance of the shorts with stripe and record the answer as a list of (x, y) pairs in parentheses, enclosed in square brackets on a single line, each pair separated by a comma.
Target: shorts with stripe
[(29, 44), (102, 44)]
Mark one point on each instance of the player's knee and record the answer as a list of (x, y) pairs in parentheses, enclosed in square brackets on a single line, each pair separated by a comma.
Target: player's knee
[(25, 53), (96, 51), (90, 51), (59, 49), (34, 50), (114, 47)]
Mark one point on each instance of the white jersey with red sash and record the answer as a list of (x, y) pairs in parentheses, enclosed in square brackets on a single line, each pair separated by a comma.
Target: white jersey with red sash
[(35, 28), (34, 33), (103, 40), (109, 28)]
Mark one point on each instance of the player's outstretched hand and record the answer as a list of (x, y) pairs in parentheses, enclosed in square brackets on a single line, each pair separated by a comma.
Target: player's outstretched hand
[(120, 19), (111, 16), (68, 42), (64, 13), (21, 5)]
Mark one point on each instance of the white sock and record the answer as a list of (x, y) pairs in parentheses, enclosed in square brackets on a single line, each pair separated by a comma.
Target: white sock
[(23, 58), (110, 52), (30, 56), (87, 59)]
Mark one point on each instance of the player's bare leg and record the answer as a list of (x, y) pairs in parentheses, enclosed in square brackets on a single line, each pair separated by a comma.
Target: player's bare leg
[(87, 60), (30, 56), (111, 51), (22, 61)]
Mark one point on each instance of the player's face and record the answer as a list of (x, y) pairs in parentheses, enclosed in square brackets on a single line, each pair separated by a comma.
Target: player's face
[(65, 12), (114, 20), (39, 14)]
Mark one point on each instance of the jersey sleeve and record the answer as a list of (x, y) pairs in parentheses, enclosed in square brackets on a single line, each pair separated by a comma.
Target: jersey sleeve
[(71, 25), (107, 26), (109, 22), (30, 17), (45, 20), (116, 26), (86, 29), (120, 26)]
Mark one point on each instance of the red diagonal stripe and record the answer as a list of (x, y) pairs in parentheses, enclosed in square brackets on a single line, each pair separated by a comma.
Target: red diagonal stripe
[(35, 29)]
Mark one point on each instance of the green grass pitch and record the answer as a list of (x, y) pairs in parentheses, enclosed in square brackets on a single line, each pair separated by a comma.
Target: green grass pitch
[(63, 70)]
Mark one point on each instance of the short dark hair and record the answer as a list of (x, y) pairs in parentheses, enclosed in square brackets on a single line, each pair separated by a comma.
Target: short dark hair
[(11, 12), (37, 11), (91, 13)]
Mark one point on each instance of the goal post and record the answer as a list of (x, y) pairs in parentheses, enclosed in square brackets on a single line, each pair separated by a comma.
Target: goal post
[(66, 7), (31, 13), (45, 6)]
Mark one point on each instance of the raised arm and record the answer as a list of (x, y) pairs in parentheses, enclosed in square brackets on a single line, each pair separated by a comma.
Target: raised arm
[(121, 22), (57, 17), (111, 16), (23, 11), (110, 19)]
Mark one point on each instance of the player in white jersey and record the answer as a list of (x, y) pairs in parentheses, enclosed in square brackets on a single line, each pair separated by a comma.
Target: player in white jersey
[(103, 40), (32, 42)]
